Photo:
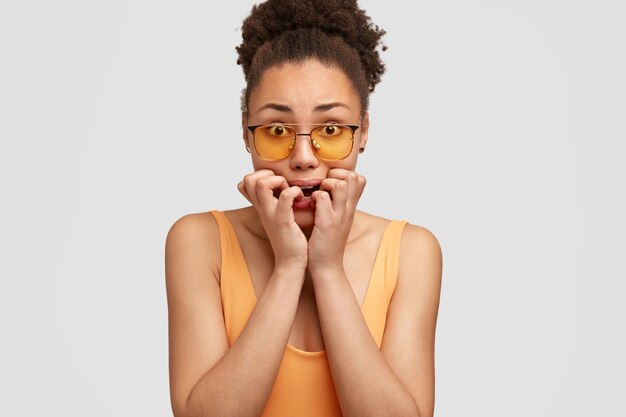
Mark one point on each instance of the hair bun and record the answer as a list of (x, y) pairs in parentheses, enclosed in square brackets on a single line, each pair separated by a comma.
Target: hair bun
[(272, 18)]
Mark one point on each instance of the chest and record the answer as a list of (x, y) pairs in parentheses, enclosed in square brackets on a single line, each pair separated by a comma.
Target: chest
[(358, 263), (306, 333)]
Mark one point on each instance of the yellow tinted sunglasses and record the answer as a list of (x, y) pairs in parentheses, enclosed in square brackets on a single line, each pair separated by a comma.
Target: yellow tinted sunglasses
[(330, 142)]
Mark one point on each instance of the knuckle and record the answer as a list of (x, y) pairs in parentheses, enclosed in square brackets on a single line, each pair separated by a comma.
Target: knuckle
[(248, 180), (261, 183)]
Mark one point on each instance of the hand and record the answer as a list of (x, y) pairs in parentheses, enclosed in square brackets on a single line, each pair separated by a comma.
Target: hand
[(288, 242), (335, 204)]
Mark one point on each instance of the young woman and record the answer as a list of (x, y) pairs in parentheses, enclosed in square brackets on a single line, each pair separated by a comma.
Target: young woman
[(300, 304)]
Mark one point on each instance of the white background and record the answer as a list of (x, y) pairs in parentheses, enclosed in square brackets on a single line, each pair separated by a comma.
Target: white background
[(499, 126)]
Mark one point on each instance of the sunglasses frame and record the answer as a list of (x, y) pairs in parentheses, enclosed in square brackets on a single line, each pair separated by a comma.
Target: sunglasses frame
[(353, 128)]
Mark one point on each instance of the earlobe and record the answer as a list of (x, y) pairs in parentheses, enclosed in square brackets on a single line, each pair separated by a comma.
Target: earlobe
[(365, 124)]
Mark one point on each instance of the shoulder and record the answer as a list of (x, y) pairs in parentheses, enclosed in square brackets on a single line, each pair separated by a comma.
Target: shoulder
[(421, 260), (418, 240), (415, 240), (200, 227), (194, 237)]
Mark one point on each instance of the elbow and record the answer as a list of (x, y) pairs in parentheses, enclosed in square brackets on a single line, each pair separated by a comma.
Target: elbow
[(422, 412), (185, 408), (406, 409), (412, 410), (180, 410), (415, 412), (208, 407)]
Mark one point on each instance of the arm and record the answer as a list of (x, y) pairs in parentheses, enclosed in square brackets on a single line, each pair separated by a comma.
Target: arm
[(206, 377), (398, 379)]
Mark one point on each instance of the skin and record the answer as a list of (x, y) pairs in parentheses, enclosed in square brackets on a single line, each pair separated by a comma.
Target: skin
[(309, 268)]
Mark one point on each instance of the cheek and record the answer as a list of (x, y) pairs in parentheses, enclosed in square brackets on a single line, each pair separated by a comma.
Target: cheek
[(258, 164), (348, 163)]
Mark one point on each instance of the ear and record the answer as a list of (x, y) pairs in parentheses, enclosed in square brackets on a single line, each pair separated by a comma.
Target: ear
[(365, 126), (244, 128)]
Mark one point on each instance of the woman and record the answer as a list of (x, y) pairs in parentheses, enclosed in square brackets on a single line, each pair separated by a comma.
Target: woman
[(301, 305)]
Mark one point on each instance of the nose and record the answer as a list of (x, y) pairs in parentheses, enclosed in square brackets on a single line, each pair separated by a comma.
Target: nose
[(302, 155)]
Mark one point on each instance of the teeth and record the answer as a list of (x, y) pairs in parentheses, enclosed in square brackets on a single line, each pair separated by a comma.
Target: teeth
[(307, 187)]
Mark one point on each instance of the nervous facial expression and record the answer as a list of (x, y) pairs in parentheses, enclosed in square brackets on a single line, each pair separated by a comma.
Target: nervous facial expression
[(308, 94)]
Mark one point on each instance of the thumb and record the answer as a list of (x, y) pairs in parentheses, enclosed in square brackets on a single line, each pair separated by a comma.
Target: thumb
[(242, 189)]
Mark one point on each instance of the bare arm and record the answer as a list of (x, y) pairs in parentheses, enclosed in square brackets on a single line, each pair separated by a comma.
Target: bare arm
[(398, 379), (207, 378)]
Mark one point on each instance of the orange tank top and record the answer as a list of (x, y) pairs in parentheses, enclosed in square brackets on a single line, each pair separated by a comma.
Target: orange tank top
[(304, 386)]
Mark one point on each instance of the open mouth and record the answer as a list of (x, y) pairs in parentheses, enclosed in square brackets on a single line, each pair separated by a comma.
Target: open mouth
[(308, 190)]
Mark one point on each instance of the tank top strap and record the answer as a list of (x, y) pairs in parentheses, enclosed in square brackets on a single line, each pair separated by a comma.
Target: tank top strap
[(383, 280), (392, 257), (238, 298)]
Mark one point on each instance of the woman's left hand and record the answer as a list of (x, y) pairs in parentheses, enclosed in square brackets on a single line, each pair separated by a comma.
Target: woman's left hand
[(335, 205)]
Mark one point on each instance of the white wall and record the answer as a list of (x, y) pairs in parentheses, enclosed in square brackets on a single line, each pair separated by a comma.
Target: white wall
[(499, 126)]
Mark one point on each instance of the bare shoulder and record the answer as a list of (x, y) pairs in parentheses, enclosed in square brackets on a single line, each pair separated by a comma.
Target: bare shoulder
[(421, 259), (196, 234), (419, 247), (418, 241)]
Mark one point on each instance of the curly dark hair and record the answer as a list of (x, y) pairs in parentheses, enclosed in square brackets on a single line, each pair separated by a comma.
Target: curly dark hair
[(335, 32)]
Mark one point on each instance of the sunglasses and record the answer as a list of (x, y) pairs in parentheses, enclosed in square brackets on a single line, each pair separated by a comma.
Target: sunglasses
[(330, 142)]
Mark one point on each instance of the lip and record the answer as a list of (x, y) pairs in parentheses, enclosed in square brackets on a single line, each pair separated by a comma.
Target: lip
[(306, 202), (304, 183), (303, 203)]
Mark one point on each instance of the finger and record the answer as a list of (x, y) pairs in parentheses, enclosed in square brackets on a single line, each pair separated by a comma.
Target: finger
[(361, 181), (265, 189), (327, 184), (338, 173), (352, 179), (323, 206), (339, 195), (337, 190), (314, 196), (242, 189), (250, 181), (286, 199)]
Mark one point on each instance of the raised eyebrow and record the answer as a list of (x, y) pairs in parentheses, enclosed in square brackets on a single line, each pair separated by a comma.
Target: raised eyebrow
[(276, 106), (329, 106), (317, 109)]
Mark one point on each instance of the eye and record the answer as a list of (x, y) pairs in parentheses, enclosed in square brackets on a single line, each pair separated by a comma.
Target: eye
[(331, 130), (278, 130)]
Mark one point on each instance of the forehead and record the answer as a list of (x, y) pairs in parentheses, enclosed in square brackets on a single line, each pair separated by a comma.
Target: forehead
[(304, 86)]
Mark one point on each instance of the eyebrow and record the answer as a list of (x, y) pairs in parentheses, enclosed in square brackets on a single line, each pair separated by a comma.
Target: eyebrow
[(325, 107), (317, 109)]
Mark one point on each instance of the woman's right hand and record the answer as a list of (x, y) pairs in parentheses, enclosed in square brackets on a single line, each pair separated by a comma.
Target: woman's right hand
[(287, 239)]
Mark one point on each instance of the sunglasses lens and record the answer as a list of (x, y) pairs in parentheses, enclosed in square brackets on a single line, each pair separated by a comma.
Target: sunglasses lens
[(332, 142), (274, 142)]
